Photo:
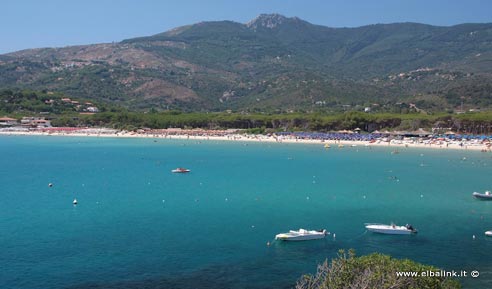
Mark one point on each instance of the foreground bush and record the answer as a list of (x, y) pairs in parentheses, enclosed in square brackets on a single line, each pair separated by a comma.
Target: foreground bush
[(372, 271)]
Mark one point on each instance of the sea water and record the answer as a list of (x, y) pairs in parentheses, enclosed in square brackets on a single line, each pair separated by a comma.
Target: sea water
[(137, 225)]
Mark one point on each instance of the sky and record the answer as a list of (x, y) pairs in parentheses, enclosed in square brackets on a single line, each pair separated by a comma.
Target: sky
[(57, 23)]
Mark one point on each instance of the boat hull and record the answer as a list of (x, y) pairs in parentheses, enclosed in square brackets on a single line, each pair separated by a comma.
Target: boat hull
[(389, 230), (301, 235), (483, 197), (488, 233), (180, 171), (285, 237)]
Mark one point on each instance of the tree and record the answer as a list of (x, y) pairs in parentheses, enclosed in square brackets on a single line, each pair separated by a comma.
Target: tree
[(372, 271)]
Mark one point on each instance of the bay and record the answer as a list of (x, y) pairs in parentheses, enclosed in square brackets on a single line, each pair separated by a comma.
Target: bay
[(137, 225)]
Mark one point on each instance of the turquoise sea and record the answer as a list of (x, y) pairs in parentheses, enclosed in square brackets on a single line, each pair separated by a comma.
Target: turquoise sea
[(137, 225)]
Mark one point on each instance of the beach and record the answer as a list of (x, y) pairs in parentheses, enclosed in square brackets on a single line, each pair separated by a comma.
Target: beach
[(424, 143)]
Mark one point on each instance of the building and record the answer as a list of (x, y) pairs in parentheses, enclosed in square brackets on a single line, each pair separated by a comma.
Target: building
[(35, 122), (92, 109), (7, 121)]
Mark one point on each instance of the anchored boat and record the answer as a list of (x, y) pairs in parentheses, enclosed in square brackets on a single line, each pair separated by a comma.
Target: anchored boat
[(181, 170), (391, 229), (301, 235), (485, 196)]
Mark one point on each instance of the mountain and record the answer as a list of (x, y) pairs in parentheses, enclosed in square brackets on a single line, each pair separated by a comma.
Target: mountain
[(271, 63)]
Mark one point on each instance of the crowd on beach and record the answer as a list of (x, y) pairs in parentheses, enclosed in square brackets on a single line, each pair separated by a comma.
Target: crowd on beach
[(447, 140)]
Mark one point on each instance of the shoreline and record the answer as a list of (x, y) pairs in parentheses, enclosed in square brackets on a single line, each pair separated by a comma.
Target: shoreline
[(329, 144)]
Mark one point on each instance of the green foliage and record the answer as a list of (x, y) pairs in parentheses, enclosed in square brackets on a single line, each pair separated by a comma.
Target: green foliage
[(373, 271), (478, 123), (290, 66), (28, 102)]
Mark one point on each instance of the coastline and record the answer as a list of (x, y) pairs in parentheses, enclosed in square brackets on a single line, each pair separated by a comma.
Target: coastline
[(333, 144)]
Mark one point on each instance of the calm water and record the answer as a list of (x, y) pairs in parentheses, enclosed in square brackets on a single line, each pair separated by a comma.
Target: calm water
[(137, 225)]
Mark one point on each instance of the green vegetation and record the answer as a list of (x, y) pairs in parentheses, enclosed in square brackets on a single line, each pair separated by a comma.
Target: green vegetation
[(373, 271), (29, 102), (67, 113), (477, 123), (272, 65)]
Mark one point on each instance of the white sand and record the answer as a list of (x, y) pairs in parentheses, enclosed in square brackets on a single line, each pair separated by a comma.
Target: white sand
[(468, 145)]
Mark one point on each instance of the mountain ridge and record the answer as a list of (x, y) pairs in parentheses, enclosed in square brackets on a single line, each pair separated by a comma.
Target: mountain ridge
[(272, 62)]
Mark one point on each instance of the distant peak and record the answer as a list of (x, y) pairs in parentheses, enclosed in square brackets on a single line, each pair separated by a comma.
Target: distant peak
[(269, 21)]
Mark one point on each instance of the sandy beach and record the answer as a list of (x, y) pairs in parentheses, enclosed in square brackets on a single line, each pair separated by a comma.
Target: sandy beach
[(328, 144)]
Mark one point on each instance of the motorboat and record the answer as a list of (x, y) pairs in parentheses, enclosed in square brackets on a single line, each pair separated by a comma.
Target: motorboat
[(302, 235), (391, 229), (75, 202), (488, 233), (484, 196), (181, 170)]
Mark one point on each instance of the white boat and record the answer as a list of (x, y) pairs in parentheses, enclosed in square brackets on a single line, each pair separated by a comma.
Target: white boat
[(488, 233), (485, 196), (181, 170), (301, 235), (391, 229), (75, 201)]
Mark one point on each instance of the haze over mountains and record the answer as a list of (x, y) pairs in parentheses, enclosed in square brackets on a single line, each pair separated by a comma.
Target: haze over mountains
[(272, 63)]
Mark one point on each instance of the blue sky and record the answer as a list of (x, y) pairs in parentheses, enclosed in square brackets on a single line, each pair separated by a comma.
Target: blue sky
[(57, 23)]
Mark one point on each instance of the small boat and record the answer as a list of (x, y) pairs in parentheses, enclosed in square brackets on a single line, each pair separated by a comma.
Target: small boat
[(488, 233), (75, 201), (391, 229), (181, 170), (484, 196), (327, 146), (301, 235)]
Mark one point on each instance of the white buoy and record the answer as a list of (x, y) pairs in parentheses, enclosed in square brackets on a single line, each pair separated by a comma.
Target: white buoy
[(334, 235), (75, 201), (473, 237)]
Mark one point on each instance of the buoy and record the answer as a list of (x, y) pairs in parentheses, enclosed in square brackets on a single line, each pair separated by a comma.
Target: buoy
[(334, 235), (268, 243), (75, 201), (473, 237), (50, 185)]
